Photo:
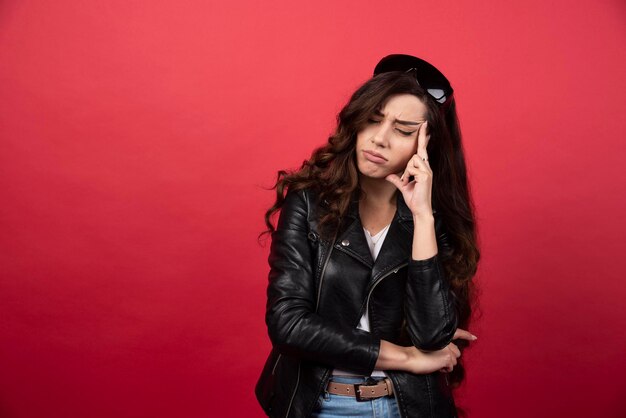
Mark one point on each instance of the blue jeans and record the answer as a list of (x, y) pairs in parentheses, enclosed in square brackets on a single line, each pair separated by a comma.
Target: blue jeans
[(332, 406)]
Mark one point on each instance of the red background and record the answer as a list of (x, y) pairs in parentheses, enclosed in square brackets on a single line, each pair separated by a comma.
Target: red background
[(137, 138)]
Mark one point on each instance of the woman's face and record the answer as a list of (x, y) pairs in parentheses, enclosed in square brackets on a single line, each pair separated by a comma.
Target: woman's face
[(385, 145)]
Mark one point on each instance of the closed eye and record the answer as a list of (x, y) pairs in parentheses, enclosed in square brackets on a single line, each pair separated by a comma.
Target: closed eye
[(405, 133)]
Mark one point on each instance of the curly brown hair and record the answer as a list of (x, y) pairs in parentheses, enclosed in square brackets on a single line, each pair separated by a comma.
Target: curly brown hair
[(332, 172)]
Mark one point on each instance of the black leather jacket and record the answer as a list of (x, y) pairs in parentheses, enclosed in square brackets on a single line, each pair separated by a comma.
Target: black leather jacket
[(318, 291)]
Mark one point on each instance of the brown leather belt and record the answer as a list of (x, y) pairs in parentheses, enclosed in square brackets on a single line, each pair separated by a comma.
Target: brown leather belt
[(363, 391)]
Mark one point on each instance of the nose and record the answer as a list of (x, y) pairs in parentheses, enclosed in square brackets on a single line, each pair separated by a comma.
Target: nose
[(380, 136)]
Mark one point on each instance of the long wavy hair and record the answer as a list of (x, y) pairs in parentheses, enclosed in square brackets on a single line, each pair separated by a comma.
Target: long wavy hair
[(332, 172)]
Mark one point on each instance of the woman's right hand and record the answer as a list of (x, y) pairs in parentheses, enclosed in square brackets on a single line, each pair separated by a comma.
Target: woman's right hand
[(444, 360)]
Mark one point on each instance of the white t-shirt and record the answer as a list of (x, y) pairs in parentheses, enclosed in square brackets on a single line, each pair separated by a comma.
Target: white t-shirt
[(375, 243)]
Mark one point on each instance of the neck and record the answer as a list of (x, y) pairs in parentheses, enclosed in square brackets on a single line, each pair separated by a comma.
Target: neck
[(378, 192)]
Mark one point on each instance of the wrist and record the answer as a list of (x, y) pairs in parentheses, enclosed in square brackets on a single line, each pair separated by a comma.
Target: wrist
[(394, 357), (415, 360), (424, 218)]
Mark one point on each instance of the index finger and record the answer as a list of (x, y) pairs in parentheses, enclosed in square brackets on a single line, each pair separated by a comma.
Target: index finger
[(463, 334), (422, 140)]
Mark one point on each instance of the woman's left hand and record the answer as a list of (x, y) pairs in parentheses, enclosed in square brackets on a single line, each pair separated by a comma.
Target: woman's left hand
[(417, 193)]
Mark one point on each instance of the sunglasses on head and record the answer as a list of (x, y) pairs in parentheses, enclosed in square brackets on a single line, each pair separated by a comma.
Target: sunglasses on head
[(427, 76)]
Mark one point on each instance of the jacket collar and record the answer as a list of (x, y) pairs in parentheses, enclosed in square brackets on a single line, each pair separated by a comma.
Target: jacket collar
[(402, 211), (396, 248)]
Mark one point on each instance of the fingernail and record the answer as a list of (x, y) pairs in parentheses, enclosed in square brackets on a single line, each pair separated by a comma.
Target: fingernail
[(474, 337)]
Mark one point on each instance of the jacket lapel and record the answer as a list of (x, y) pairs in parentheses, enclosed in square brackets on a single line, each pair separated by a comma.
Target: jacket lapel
[(398, 243), (396, 248), (351, 239)]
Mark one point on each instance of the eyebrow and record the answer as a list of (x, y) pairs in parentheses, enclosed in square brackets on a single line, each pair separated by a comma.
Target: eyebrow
[(401, 122)]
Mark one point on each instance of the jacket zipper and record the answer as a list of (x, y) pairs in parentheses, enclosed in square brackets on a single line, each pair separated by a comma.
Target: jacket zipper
[(319, 288), (317, 302), (293, 395), (367, 301), (389, 273), (276, 364)]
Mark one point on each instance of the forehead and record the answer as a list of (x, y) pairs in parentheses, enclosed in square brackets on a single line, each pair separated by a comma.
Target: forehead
[(404, 106)]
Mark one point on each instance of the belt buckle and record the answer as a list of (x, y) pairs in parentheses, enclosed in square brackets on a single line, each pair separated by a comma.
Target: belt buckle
[(357, 393), (357, 389)]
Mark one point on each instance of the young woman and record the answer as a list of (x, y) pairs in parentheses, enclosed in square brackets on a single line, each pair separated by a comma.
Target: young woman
[(372, 258)]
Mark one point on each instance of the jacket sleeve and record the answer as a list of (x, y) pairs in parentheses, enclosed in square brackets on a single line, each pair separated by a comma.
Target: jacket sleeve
[(294, 327), (430, 307)]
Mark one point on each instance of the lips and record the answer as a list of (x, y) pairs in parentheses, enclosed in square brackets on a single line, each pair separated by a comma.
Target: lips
[(374, 157)]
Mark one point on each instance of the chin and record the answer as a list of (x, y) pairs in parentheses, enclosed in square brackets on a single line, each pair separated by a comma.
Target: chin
[(374, 175)]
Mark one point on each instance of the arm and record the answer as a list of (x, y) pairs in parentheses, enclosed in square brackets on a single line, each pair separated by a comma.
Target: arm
[(432, 328), (430, 311), (429, 304), (434, 355), (294, 327)]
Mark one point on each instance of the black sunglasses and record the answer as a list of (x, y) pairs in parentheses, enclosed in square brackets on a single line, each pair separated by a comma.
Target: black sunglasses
[(427, 76)]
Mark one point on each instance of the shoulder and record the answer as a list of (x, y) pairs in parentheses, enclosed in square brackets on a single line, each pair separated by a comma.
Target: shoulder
[(299, 207), (298, 199)]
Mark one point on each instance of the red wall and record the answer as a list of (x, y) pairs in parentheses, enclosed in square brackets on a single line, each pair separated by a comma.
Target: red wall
[(137, 138)]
